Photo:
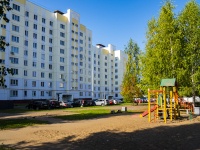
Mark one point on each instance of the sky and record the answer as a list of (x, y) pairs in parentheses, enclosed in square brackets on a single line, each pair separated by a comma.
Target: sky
[(114, 21)]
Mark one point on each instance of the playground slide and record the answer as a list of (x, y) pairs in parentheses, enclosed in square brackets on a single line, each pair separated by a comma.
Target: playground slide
[(147, 112)]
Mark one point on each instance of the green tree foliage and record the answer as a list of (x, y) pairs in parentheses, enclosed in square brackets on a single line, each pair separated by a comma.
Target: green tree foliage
[(189, 23), (4, 7), (172, 48), (162, 48), (131, 79)]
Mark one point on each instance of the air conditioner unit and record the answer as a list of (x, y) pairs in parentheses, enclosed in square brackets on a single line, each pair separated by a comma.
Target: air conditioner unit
[(12, 53)]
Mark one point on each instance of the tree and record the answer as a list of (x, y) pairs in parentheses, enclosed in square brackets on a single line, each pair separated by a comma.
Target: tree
[(189, 23), (162, 57), (4, 7), (131, 79)]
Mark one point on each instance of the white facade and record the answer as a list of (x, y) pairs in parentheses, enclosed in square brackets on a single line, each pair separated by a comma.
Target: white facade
[(52, 55)]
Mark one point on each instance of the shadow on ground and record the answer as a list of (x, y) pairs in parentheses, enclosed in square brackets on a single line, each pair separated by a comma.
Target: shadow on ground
[(162, 137)]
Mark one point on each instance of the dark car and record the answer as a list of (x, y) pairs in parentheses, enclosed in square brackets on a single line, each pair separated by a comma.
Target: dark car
[(53, 104), (37, 105), (76, 103)]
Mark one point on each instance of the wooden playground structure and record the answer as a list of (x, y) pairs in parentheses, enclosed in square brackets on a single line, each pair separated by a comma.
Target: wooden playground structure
[(164, 103)]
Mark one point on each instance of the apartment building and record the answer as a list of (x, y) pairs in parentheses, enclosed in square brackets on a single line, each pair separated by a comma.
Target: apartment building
[(52, 56)]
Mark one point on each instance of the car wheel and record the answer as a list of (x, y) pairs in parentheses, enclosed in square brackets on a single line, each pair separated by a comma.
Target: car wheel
[(102, 104)]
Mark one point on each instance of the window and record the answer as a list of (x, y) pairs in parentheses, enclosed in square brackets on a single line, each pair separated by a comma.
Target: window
[(16, 7), (34, 35), (81, 34), (2, 61), (105, 70), (15, 71), (50, 75), (61, 85), (105, 64), (14, 49), (15, 39), (25, 72), (43, 56), (50, 32), (35, 26), (81, 48), (3, 26), (43, 29), (116, 76), (50, 58), (26, 33), (81, 94), (34, 93), (25, 83), (50, 49), (14, 82), (35, 17), (42, 93), (25, 62), (50, 84), (62, 59), (42, 65), (42, 84), (62, 26), (51, 23), (43, 47), (15, 28), (27, 14), (81, 41), (34, 73), (34, 64), (116, 71), (34, 54), (62, 34), (13, 93), (15, 17), (50, 40), (34, 45), (25, 93), (50, 66), (42, 75), (26, 43), (43, 38), (14, 60), (62, 51), (25, 53), (26, 23), (62, 68), (62, 42), (43, 20)]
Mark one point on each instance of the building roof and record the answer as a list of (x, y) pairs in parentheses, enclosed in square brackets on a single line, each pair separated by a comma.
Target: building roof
[(58, 11)]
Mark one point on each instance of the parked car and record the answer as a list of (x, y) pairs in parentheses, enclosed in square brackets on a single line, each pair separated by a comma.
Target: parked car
[(68, 104), (110, 102), (62, 104), (101, 102), (76, 103), (37, 105), (53, 104)]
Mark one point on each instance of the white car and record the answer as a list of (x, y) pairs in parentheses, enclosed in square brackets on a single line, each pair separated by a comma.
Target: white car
[(100, 102)]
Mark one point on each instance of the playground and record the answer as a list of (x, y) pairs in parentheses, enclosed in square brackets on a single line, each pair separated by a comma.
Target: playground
[(114, 132)]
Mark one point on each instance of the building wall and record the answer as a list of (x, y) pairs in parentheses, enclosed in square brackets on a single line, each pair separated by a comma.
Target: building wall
[(52, 54)]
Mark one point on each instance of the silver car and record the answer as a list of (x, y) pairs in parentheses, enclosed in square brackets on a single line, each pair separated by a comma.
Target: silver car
[(101, 102)]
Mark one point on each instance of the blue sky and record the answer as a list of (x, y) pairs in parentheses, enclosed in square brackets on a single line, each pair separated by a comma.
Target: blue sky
[(113, 21)]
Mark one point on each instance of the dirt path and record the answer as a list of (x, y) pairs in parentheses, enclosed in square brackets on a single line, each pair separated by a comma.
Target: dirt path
[(115, 132)]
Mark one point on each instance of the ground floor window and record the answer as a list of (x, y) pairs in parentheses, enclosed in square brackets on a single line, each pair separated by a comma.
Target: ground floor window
[(14, 93)]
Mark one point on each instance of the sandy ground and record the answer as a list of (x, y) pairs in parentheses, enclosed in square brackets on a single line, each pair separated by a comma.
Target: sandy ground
[(123, 131)]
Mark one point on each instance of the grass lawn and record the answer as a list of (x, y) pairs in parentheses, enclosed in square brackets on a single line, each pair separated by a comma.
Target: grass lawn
[(90, 112), (18, 123)]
